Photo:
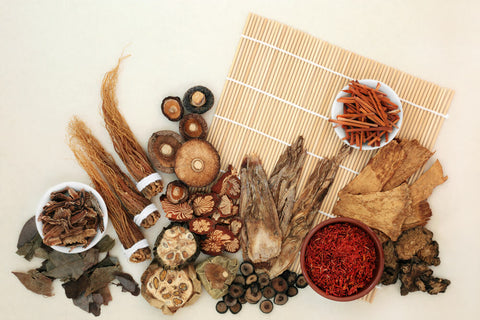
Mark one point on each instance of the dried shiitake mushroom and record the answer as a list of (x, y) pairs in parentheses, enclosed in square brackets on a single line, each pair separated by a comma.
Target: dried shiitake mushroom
[(193, 126), (162, 148), (177, 192), (216, 274), (172, 108), (170, 290), (198, 99), (197, 163), (176, 247)]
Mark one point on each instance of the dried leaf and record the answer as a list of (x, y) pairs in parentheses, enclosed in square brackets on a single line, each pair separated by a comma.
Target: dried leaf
[(105, 244), (127, 283), (100, 278), (75, 288), (27, 250), (107, 296), (29, 231), (36, 282), (66, 267)]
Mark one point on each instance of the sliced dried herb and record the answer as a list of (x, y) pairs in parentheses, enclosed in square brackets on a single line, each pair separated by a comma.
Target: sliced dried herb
[(36, 282)]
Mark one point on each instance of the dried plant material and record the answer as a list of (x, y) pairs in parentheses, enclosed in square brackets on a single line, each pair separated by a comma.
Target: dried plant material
[(305, 210), (235, 226), (170, 290), (176, 212), (261, 233), (124, 142), (412, 241), (172, 108), (198, 99), (36, 282), (162, 149), (214, 243), (419, 216), (391, 264), (416, 156), (378, 171), (69, 266), (232, 245), (203, 204), (429, 254), (28, 233), (105, 244), (228, 184), (284, 179), (201, 226), (193, 126), (417, 276), (177, 192), (176, 246), (127, 283), (385, 211), (423, 187), (101, 277), (29, 241), (226, 208), (216, 274), (119, 182), (128, 232)]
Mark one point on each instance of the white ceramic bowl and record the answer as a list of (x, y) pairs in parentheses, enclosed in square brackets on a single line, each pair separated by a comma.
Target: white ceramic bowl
[(76, 186), (337, 109)]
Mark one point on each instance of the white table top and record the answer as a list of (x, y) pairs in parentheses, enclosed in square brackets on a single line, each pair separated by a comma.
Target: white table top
[(55, 53)]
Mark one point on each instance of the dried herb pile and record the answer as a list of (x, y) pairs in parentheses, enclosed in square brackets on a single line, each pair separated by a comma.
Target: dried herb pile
[(85, 276)]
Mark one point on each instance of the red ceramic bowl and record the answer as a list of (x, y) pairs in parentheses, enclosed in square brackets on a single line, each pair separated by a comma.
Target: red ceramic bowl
[(377, 274)]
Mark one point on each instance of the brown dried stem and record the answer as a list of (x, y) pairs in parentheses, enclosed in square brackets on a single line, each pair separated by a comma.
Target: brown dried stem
[(128, 232), (120, 183), (124, 142)]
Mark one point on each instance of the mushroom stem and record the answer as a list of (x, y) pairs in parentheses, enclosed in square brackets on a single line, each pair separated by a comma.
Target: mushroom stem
[(166, 149), (198, 99), (197, 165)]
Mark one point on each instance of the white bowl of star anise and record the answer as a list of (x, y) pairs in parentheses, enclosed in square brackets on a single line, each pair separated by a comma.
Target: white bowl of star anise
[(71, 217)]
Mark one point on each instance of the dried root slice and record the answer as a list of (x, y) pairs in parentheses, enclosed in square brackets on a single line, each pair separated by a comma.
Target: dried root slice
[(170, 290), (246, 268), (232, 245), (221, 307), (235, 226), (228, 184), (292, 291), (280, 299), (172, 108), (217, 240), (266, 306), (141, 255), (236, 290), (290, 277), (201, 226), (198, 99), (197, 163), (279, 284), (236, 308), (176, 247), (229, 300), (176, 212), (226, 207), (253, 294), (177, 192), (263, 280), (162, 149), (268, 292), (204, 204), (193, 126), (301, 281), (251, 279), (239, 279), (216, 274)]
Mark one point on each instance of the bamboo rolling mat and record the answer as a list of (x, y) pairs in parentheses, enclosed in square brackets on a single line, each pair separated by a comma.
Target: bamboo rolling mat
[(282, 84)]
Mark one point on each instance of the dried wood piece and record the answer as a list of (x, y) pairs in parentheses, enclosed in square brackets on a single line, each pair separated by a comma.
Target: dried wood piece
[(261, 233), (284, 179), (124, 141), (419, 216), (306, 209), (422, 188)]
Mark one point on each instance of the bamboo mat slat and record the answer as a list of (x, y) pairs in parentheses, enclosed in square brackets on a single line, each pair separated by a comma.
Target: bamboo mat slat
[(282, 84)]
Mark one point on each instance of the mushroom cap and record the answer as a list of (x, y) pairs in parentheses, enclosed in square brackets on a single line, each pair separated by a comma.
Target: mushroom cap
[(198, 99), (193, 126), (172, 108), (162, 148), (197, 163)]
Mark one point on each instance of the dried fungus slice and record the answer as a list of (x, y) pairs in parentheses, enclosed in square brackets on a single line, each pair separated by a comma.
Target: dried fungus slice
[(197, 163), (176, 247), (176, 212), (198, 99), (229, 184), (177, 192), (162, 149), (201, 226), (193, 126), (172, 108), (204, 204)]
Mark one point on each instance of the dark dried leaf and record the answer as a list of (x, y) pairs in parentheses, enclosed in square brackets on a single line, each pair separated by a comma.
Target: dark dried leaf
[(66, 267), (107, 296), (127, 283), (83, 302), (29, 231), (101, 277), (36, 282), (105, 244), (27, 250), (75, 288)]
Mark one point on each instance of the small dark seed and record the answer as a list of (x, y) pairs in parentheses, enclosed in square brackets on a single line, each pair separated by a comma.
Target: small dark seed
[(268, 292), (239, 279), (280, 299), (251, 279), (279, 284), (229, 300), (236, 290), (236, 308), (221, 307), (266, 306), (292, 291), (263, 280), (301, 281), (246, 268)]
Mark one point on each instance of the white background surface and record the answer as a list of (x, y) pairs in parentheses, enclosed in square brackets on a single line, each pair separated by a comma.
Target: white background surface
[(54, 54)]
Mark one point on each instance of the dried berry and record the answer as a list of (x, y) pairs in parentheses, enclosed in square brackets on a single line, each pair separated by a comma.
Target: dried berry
[(172, 108), (198, 99), (193, 126), (162, 149)]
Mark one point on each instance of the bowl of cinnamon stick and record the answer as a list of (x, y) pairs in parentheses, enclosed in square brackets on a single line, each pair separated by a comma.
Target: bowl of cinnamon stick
[(366, 114)]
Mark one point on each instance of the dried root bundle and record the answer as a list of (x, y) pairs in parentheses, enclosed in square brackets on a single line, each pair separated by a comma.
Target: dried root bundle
[(128, 232), (135, 203), (124, 142)]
